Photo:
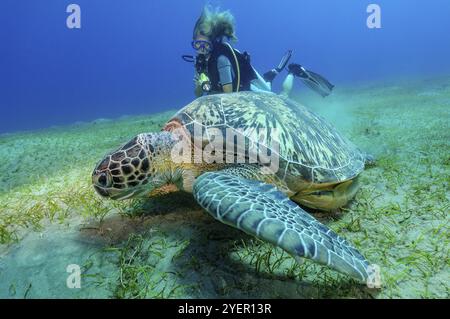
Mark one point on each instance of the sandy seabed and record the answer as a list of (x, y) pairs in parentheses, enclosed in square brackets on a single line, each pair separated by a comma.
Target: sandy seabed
[(167, 247)]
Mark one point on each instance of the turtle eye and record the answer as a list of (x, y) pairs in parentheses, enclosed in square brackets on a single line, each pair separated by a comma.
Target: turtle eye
[(103, 180)]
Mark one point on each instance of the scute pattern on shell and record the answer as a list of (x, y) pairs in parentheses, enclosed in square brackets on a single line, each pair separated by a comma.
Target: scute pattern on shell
[(309, 146)]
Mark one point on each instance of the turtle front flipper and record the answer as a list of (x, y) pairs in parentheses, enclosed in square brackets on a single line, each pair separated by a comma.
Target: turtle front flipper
[(261, 210)]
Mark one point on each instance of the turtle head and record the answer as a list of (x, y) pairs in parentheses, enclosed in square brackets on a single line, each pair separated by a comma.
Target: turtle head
[(128, 171)]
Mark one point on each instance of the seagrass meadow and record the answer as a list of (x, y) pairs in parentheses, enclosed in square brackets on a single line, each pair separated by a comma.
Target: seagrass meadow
[(167, 247)]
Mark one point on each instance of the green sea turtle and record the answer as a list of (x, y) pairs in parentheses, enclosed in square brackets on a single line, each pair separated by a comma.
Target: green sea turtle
[(316, 167)]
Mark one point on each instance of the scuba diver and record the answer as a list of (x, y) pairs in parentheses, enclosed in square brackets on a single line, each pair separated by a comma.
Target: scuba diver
[(222, 69)]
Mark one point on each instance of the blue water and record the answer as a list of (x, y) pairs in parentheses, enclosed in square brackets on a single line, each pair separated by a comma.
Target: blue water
[(126, 57)]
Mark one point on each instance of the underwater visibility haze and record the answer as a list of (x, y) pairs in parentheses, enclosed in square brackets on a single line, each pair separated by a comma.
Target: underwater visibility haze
[(91, 104), (127, 55)]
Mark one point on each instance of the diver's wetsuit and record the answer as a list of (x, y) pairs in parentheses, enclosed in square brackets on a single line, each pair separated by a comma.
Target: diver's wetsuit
[(226, 76), (223, 65), (228, 66)]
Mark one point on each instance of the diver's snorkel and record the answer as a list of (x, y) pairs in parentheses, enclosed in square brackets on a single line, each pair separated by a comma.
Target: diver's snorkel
[(201, 65)]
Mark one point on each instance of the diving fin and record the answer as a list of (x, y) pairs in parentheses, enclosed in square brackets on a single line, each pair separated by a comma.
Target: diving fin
[(314, 81), (284, 61), (270, 75)]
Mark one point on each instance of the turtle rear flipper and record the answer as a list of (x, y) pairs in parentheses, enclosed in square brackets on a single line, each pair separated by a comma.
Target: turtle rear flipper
[(263, 211)]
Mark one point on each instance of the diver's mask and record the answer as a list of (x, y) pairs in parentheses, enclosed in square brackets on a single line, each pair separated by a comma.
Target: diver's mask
[(202, 46)]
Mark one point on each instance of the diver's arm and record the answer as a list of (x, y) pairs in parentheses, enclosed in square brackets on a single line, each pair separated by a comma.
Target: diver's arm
[(225, 73), (198, 91)]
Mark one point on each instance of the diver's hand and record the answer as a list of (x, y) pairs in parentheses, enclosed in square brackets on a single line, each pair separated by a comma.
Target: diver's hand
[(198, 91), (197, 81)]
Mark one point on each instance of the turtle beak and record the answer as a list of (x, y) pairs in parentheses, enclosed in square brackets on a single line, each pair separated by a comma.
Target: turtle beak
[(101, 191), (121, 196), (111, 193)]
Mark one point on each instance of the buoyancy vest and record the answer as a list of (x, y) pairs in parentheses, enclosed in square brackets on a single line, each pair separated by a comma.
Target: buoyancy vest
[(240, 62)]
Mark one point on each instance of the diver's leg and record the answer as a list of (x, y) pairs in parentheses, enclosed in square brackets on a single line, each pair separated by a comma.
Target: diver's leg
[(314, 81), (259, 84), (288, 83)]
